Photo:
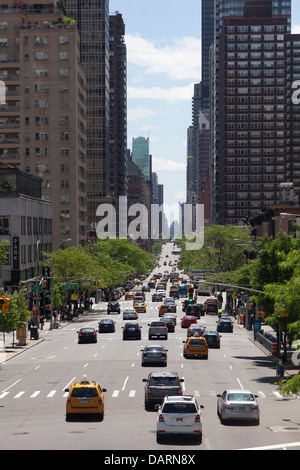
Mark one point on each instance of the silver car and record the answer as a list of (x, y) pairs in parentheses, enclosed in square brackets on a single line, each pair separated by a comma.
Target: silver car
[(130, 314), (179, 415), (154, 353), (238, 404)]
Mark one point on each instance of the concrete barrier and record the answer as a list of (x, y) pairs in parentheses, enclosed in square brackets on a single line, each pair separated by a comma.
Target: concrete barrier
[(268, 341)]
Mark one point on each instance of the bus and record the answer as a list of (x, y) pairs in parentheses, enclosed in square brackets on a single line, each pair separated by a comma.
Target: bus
[(183, 291)]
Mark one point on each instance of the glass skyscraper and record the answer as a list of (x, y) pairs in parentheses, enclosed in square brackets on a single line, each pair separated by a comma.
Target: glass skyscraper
[(141, 156)]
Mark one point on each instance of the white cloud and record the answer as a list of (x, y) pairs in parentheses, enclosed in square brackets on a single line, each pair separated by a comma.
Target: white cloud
[(170, 94), (140, 113), (296, 29), (159, 164), (179, 61)]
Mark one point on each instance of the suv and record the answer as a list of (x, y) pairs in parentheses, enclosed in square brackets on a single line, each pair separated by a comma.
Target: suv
[(131, 330), (196, 310), (160, 384), (85, 397), (113, 307), (179, 415)]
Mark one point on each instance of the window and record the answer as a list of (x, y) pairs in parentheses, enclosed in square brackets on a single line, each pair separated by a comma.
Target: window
[(63, 55), (41, 55), (63, 73), (4, 225)]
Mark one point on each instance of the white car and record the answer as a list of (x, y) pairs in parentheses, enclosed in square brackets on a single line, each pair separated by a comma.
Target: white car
[(162, 292), (179, 415), (130, 314)]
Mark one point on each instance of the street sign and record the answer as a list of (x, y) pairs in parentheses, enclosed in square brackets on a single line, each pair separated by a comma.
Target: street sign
[(70, 286), (36, 288)]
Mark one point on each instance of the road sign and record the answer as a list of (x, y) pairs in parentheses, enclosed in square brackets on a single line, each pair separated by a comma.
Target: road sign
[(36, 288), (70, 286)]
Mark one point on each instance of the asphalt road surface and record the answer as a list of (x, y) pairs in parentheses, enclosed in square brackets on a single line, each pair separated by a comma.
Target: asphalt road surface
[(32, 396)]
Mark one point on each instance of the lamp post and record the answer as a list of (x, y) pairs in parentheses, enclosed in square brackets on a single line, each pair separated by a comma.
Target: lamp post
[(51, 287), (36, 277)]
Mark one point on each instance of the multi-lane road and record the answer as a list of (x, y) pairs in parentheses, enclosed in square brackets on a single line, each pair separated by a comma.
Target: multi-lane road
[(32, 396)]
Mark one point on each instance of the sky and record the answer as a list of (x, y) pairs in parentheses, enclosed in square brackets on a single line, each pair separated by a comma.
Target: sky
[(163, 39)]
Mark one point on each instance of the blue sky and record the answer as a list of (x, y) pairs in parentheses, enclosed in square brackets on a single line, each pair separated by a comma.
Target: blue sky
[(163, 39)]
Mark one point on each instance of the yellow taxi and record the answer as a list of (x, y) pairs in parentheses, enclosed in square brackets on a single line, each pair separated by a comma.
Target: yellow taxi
[(195, 346), (140, 307), (85, 398), (129, 295), (164, 309)]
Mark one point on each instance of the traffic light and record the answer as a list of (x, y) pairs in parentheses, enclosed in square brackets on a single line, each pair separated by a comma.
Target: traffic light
[(190, 293), (45, 285), (4, 304)]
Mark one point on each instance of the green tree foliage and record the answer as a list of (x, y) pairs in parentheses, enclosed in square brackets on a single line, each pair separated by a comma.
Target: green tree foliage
[(18, 312), (223, 250)]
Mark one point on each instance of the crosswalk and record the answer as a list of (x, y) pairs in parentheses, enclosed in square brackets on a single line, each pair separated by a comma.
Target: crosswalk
[(120, 394)]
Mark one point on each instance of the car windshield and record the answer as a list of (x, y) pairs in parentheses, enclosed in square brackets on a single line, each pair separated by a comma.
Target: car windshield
[(240, 397), (197, 341), (84, 392), (179, 408), (170, 381), (87, 330)]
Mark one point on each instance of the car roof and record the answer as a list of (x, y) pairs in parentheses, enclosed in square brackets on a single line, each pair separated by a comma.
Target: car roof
[(238, 390), (106, 320), (180, 398)]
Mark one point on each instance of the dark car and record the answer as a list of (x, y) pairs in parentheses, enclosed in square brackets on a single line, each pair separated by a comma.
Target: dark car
[(169, 322), (187, 302), (211, 306), (195, 328), (87, 335), (212, 339), (225, 325), (132, 330), (160, 384), (106, 326), (156, 297), (146, 289), (196, 310), (113, 307), (154, 354)]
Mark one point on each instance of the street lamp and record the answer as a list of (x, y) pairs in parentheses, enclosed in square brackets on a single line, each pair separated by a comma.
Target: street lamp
[(51, 287)]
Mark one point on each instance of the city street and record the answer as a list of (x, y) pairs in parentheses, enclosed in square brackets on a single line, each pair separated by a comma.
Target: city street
[(32, 396)]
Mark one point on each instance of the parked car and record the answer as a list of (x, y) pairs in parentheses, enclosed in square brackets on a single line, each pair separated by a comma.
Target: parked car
[(187, 320), (87, 335), (106, 326), (225, 325), (159, 384), (179, 415), (238, 404), (154, 354), (130, 314), (212, 339), (131, 330), (113, 307)]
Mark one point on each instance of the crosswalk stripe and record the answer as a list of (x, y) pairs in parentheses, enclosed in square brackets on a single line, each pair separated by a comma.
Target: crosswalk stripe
[(51, 394), (4, 394), (19, 394), (132, 393), (115, 393), (35, 394)]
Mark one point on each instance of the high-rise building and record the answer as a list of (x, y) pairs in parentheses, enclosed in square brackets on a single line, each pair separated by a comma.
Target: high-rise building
[(224, 9), (252, 112), (43, 121), (92, 19), (118, 106), (141, 155)]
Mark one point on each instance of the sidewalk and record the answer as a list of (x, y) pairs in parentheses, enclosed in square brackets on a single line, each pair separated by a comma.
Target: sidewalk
[(290, 368)]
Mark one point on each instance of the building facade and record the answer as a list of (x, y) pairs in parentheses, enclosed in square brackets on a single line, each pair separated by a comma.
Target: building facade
[(253, 113), (43, 122)]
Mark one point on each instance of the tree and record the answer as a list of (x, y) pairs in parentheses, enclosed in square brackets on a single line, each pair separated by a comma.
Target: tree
[(18, 312), (223, 250)]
